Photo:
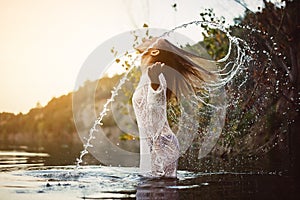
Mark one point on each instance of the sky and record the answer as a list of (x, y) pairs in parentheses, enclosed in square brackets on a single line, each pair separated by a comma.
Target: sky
[(43, 43)]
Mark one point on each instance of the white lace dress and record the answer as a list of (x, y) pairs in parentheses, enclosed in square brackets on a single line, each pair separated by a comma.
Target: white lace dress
[(159, 148)]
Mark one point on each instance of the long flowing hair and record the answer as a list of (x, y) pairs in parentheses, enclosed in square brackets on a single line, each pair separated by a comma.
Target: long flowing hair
[(185, 72)]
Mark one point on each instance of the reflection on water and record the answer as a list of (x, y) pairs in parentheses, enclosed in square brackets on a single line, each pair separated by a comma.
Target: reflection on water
[(23, 177), (20, 159)]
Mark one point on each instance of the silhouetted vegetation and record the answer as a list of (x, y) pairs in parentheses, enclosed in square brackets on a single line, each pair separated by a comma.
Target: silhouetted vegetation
[(51, 128), (262, 118)]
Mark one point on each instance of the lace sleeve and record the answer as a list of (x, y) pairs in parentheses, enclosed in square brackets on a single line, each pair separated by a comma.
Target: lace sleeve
[(156, 108)]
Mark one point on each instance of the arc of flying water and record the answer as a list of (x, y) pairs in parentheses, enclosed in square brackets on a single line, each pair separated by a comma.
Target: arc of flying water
[(208, 86)]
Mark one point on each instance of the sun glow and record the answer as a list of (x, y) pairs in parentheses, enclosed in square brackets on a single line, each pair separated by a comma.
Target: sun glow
[(45, 43)]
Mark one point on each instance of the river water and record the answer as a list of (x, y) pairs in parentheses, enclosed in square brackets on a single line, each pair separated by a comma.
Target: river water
[(23, 175)]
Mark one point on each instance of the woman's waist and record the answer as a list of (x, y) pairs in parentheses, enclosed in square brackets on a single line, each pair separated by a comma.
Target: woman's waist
[(148, 131)]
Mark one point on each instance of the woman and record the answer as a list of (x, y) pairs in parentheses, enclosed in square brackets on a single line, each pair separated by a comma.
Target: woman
[(167, 71)]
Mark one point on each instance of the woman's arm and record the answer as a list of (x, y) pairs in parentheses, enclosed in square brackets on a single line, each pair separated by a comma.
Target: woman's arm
[(153, 72)]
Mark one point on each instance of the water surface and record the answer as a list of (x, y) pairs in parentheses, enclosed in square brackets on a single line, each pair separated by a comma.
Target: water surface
[(24, 176)]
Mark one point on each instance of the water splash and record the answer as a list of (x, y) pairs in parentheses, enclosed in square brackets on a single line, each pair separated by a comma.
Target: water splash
[(98, 122), (234, 74), (213, 86)]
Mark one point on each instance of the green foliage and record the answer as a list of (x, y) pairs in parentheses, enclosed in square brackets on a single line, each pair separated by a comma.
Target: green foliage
[(53, 123), (266, 104), (40, 125), (215, 41), (127, 136)]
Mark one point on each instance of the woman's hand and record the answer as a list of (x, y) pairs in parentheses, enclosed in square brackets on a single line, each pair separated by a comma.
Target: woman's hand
[(154, 71)]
